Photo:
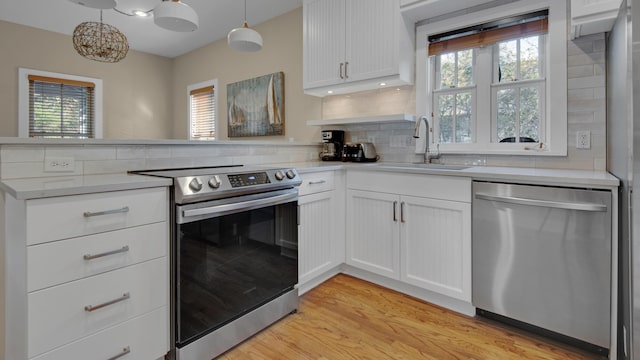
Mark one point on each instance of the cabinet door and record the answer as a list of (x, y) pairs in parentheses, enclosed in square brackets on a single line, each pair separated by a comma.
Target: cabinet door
[(372, 48), (373, 242), (436, 245), (316, 235), (324, 42)]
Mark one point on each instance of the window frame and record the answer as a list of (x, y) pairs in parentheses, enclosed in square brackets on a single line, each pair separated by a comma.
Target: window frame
[(23, 99), (214, 83), (555, 94)]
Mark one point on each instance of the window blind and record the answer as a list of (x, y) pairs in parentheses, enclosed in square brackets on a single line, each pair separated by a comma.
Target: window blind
[(489, 34), (203, 113), (61, 108)]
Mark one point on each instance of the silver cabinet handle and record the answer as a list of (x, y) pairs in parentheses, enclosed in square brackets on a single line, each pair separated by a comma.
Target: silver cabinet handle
[(346, 70), (106, 212), (341, 67), (90, 308), (317, 182), (402, 212), (124, 352), (395, 205), (543, 203), (112, 252)]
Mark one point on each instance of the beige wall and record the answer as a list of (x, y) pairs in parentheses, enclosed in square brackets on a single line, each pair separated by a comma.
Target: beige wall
[(282, 51), (145, 95), (137, 91)]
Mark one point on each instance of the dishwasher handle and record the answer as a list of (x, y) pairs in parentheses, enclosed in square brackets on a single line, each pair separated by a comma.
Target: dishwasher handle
[(544, 203)]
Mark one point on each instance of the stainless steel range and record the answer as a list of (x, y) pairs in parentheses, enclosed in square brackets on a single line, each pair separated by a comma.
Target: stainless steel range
[(234, 255)]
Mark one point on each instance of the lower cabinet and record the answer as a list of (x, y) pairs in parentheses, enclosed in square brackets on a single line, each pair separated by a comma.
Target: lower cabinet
[(88, 276), (423, 241), (321, 228)]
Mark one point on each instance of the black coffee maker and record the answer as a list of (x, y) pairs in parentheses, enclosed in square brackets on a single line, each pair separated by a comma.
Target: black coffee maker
[(332, 145)]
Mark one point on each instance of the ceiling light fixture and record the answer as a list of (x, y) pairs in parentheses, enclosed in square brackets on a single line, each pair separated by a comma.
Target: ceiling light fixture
[(141, 13), (244, 38), (100, 42), (175, 15)]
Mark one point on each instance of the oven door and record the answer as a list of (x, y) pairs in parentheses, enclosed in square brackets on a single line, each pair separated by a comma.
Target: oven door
[(233, 255)]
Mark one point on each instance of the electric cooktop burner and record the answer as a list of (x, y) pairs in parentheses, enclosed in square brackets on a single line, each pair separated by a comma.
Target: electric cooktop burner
[(206, 183)]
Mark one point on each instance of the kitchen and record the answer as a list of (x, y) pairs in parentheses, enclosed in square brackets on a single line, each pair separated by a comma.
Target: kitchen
[(24, 159)]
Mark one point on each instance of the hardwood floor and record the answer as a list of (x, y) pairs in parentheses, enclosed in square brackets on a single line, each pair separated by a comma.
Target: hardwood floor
[(347, 318)]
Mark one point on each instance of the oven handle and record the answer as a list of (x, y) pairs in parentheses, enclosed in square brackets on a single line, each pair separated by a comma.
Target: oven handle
[(240, 206)]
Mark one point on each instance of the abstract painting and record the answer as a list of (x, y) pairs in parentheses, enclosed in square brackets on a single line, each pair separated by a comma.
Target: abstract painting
[(255, 107)]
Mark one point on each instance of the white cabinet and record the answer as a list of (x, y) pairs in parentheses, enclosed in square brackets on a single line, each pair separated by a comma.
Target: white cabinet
[(593, 16), (354, 45), (87, 274), (321, 229), (412, 228), (373, 232)]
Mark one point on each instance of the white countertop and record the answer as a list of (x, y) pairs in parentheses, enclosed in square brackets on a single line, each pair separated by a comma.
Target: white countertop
[(536, 176), (33, 188)]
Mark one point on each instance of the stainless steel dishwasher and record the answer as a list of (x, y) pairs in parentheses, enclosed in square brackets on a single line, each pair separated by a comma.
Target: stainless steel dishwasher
[(542, 257)]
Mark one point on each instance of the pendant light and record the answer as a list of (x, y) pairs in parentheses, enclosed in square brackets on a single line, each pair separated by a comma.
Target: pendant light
[(244, 38), (100, 42), (175, 15)]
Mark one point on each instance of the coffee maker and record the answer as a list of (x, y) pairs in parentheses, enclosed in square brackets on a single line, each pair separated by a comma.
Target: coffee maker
[(332, 145)]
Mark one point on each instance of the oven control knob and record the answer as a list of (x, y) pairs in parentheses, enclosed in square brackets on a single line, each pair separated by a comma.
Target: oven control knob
[(214, 182), (291, 174), (195, 185), (279, 175)]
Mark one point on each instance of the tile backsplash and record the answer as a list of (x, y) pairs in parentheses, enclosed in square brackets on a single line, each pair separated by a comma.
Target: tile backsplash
[(586, 111), (27, 161)]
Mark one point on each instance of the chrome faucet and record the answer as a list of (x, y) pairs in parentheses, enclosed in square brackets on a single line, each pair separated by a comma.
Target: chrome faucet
[(416, 134)]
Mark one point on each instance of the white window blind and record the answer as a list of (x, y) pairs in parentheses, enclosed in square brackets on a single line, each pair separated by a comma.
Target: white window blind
[(203, 113), (61, 108)]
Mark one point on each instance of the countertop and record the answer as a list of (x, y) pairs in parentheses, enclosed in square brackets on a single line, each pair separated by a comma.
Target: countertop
[(34, 188), (536, 176)]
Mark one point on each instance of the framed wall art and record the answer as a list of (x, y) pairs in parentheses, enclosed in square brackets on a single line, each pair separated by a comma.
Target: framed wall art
[(255, 107)]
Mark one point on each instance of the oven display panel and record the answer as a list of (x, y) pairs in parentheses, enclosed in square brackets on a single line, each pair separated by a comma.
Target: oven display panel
[(240, 180)]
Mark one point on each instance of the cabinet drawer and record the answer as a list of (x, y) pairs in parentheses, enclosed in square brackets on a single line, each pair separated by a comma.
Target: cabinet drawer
[(145, 337), (454, 188), (316, 182), (63, 261), (63, 217), (58, 316)]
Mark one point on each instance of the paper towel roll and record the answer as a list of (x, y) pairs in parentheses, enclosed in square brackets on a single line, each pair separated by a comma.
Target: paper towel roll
[(421, 142)]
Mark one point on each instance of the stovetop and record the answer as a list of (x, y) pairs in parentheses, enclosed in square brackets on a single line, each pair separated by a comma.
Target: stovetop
[(206, 183)]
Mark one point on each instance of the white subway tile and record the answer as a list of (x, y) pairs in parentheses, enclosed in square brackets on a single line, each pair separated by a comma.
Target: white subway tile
[(21, 153)]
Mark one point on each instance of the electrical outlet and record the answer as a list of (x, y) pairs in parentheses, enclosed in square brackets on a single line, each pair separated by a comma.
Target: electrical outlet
[(59, 164), (583, 139)]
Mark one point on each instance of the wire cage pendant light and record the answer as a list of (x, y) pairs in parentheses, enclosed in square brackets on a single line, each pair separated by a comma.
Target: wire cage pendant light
[(244, 38), (100, 42)]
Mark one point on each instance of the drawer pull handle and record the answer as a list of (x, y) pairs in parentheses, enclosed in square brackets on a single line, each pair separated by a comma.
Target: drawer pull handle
[(124, 352), (106, 212), (402, 212), (112, 252), (317, 182), (90, 308)]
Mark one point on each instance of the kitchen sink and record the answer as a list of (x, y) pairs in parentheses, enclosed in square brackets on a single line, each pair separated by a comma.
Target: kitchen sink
[(425, 166)]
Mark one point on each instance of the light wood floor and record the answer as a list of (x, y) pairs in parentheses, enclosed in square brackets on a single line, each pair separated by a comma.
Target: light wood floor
[(347, 318)]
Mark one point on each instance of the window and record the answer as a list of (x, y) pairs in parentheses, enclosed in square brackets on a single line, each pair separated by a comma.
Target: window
[(58, 106), (488, 83), (202, 110)]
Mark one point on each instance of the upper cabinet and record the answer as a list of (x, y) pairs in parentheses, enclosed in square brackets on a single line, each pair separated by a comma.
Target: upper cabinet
[(592, 16), (355, 45)]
